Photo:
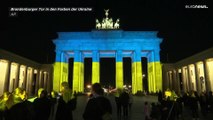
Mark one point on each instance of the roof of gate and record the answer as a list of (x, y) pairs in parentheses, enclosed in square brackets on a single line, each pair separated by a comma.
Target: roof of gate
[(113, 34)]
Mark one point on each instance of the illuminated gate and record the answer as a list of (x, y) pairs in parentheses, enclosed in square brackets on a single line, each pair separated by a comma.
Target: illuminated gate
[(108, 41)]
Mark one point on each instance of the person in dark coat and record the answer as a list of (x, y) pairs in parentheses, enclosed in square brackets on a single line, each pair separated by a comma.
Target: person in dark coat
[(193, 102), (42, 106), (21, 110), (98, 105), (124, 98), (118, 102), (160, 96), (66, 103)]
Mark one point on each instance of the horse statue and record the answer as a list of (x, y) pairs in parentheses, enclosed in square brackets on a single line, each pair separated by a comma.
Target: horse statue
[(98, 24), (117, 24), (103, 24)]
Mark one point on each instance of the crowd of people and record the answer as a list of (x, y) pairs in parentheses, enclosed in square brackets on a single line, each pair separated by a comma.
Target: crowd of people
[(59, 106), (171, 107), (52, 106), (123, 100)]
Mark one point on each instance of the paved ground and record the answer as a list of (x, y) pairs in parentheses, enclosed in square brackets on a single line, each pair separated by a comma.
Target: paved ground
[(137, 109)]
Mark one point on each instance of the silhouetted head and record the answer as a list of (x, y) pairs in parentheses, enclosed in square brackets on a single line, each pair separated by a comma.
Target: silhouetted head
[(64, 86), (43, 94), (97, 88)]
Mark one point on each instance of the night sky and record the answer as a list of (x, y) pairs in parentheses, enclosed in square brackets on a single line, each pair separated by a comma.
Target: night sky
[(185, 31)]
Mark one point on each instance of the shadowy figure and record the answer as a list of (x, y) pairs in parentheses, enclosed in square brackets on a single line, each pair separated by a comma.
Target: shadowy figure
[(42, 106), (146, 111), (130, 100), (118, 102), (124, 98), (160, 96), (66, 103), (22, 109), (98, 106)]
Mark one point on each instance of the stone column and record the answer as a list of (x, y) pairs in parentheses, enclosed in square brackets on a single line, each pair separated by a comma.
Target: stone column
[(13, 68), (45, 80), (37, 81), (197, 79), (29, 80), (174, 82), (81, 87), (25, 78), (77, 72), (4, 72), (41, 78), (206, 76), (157, 71), (189, 78), (7, 78), (137, 72), (183, 79), (119, 69), (60, 70), (151, 72), (95, 67), (178, 81), (57, 72), (17, 76)]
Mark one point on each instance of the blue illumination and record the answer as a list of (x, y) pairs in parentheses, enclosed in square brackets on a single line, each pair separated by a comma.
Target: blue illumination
[(106, 43), (109, 44)]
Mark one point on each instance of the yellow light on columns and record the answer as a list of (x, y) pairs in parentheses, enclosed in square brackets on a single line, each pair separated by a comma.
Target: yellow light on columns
[(119, 74), (139, 76), (77, 76), (60, 75), (134, 87), (95, 72)]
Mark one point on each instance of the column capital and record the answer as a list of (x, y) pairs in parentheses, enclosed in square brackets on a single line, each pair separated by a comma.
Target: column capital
[(95, 51), (137, 55), (95, 56), (119, 56), (77, 56)]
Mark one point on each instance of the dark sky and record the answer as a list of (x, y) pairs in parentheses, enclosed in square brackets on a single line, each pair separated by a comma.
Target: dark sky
[(185, 31)]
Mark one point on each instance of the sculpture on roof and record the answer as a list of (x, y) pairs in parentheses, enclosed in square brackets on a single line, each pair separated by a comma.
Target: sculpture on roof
[(107, 23)]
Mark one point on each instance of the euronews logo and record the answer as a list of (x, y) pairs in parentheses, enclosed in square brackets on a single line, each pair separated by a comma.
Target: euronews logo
[(197, 6)]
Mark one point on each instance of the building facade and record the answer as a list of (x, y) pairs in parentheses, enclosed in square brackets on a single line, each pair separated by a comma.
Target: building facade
[(108, 44), (17, 71), (194, 73)]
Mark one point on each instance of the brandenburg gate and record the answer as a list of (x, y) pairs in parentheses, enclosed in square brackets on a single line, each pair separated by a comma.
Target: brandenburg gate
[(108, 41)]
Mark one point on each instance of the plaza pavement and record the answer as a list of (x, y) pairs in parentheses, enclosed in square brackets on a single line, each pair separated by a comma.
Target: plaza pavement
[(136, 112)]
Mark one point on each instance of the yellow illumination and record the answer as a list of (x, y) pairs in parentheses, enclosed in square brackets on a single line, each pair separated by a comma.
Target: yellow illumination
[(136, 77), (95, 72), (77, 77), (158, 76), (139, 76), (210, 73), (154, 76), (168, 93), (119, 75), (4, 61), (81, 84), (3, 76), (60, 75)]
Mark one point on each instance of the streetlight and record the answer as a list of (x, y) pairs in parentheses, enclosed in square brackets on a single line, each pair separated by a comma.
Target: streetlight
[(144, 75), (88, 86)]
